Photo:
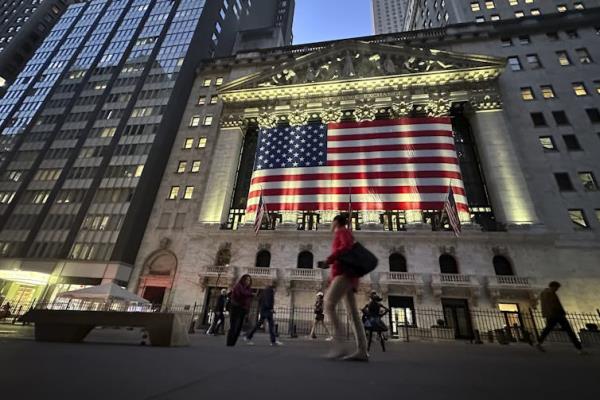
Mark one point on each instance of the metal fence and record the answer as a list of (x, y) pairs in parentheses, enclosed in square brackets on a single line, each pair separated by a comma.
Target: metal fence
[(433, 324)]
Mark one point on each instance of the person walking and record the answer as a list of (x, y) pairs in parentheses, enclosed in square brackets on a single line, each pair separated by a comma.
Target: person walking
[(218, 314), (374, 311), (319, 317), (342, 287), (266, 310), (554, 313), (241, 299)]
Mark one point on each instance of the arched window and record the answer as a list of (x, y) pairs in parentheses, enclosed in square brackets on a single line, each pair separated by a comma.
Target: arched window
[(502, 266), (448, 264), (263, 259), (223, 257), (397, 263), (305, 260)]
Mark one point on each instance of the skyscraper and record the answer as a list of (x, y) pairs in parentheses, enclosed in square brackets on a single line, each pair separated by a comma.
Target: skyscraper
[(388, 15), (422, 14), (23, 25), (87, 126)]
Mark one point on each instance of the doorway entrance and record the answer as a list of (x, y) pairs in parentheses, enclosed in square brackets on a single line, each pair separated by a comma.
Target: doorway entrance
[(402, 313), (458, 318), (154, 294)]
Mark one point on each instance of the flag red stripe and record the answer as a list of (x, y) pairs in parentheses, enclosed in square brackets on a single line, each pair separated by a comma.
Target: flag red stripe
[(394, 160), (435, 205), (390, 122), (393, 147), (357, 175), (388, 135), (355, 190)]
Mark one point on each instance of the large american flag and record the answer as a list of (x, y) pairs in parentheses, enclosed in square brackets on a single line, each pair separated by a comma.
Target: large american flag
[(402, 164)]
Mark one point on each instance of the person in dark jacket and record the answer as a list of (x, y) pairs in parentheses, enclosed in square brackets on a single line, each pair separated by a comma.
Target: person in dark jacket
[(266, 307), (373, 313), (218, 314), (319, 317), (555, 314), (241, 299)]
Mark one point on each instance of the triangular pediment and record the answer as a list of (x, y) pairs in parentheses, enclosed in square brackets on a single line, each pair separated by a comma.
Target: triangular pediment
[(358, 60)]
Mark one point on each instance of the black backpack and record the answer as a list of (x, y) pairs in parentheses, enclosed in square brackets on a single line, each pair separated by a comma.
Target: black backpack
[(358, 261)]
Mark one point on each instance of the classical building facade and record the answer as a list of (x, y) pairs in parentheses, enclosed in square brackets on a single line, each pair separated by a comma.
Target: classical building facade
[(533, 197)]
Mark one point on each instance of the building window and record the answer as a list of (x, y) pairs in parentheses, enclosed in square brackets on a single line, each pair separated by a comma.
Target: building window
[(189, 192), (561, 8), (475, 6), (593, 115), (572, 142), (534, 61), (448, 264), (207, 82), (563, 58), (547, 143), (506, 42), (579, 89), (502, 266), (202, 143), (524, 39), (196, 166), (560, 117), (397, 263), (214, 100), (583, 56), (173, 193), (597, 211), (514, 63), (572, 34), (597, 86), (552, 36), (538, 119), (527, 94), (219, 81), (535, 12), (195, 121), (263, 259), (564, 182), (189, 143), (201, 100), (179, 221), (305, 260), (578, 219), (207, 120), (519, 14), (588, 181), (181, 167), (164, 220), (578, 5), (548, 92)]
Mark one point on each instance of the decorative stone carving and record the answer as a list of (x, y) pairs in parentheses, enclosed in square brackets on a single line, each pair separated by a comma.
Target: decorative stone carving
[(298, 116), (267, 118), (486, 101), (348, 70), (438, 105), (401, 106), (365, 112), (233, 121), (331, 114)]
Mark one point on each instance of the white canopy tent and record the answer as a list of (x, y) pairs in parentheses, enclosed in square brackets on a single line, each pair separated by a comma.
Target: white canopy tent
[(108, 292)]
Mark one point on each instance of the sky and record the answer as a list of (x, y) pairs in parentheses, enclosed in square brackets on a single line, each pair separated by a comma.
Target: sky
[(319, 20)]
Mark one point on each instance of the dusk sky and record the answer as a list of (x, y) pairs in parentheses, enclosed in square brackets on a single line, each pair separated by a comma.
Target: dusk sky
[(319, 20)]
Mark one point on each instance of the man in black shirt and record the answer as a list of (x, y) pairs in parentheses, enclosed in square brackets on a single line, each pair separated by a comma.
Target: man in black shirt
[(219, 314)]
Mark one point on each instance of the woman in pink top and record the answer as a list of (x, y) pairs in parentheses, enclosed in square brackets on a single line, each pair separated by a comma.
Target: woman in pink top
[(343, 286)]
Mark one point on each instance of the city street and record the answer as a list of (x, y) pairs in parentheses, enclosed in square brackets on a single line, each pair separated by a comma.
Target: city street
[(105, 369)]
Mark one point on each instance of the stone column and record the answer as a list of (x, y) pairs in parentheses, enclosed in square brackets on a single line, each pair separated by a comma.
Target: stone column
[(221, 182), (503, 175)]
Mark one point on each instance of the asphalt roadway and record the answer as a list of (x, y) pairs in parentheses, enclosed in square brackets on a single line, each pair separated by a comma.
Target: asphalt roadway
[(112, 365)]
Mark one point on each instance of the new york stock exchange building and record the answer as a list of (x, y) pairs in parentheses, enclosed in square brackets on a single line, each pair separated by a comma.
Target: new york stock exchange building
[(384, 125)]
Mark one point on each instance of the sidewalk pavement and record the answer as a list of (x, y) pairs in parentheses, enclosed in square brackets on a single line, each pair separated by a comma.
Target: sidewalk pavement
[(208, 369)]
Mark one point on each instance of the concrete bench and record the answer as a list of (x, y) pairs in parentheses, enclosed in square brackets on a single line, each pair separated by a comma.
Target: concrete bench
[(164, 329)]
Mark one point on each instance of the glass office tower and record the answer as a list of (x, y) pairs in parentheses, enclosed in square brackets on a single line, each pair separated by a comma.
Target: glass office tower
[(86, 130)]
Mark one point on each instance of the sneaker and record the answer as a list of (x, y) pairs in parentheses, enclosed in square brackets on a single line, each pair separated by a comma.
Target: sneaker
[(358, 356), (248, 341), (329, 339), (276, 343), (540, 347)]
